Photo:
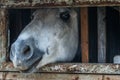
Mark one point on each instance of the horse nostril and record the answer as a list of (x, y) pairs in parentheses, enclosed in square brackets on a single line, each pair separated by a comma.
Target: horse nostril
[(26, 50)]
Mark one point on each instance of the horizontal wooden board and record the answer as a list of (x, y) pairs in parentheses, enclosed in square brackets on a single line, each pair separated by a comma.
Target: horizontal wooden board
[(56, 3), (112, 77), (55, 76), (47, 76), (76, 68)]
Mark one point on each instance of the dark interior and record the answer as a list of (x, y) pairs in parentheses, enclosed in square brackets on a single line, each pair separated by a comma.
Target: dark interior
[(19, 18), (113, 33)]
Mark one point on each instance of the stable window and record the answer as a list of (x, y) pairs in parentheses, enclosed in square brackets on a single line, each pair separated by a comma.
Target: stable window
[(19, 18), (98, 41)]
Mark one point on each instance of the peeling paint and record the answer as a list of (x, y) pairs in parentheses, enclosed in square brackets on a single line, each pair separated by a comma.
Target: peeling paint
[(3, 37), (84, 68), (56, 3), (47, 76), (77, 68)]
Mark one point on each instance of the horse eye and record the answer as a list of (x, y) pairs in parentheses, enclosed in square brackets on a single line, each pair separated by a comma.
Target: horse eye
[(65, 15)]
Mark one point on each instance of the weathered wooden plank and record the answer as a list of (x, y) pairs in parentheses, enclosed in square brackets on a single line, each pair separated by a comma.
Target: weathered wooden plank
[(76, 68), (54, 76), (112, 77), (56, 3), (83, 68), (3, 35), (84, 34), (101, 11), (47, 76)]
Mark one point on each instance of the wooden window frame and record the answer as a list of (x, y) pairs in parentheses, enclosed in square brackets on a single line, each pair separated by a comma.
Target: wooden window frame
[(103, 71)]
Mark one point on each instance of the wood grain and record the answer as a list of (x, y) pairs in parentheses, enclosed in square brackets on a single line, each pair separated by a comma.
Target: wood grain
[(112, 77), (84, 34), (47, 76), (3, 35), (56, 3)]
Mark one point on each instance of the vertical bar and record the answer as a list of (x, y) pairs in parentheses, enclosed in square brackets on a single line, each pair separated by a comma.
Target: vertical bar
[(3, 34), (84, 34), (101, 34)]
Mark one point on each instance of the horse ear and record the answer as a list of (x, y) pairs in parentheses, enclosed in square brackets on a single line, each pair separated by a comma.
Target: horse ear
[(32, 16), (34, 13)]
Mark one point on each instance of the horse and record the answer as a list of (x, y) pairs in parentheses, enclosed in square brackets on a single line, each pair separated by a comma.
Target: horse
[(50, 37)]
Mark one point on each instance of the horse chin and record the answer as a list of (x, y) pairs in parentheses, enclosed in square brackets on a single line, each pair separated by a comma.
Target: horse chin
[(32, 68)]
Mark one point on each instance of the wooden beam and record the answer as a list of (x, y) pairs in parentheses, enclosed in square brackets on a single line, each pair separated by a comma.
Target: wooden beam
[(111, 77), (84, 34), (3, 35), (56, 3), (47, 76), (73, 68), (54, 76), (101, 11)]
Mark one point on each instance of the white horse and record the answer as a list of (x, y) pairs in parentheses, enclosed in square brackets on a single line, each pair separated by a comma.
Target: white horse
[(52, 36)]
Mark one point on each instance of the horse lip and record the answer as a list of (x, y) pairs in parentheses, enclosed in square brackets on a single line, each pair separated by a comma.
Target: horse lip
[(31, 68)]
